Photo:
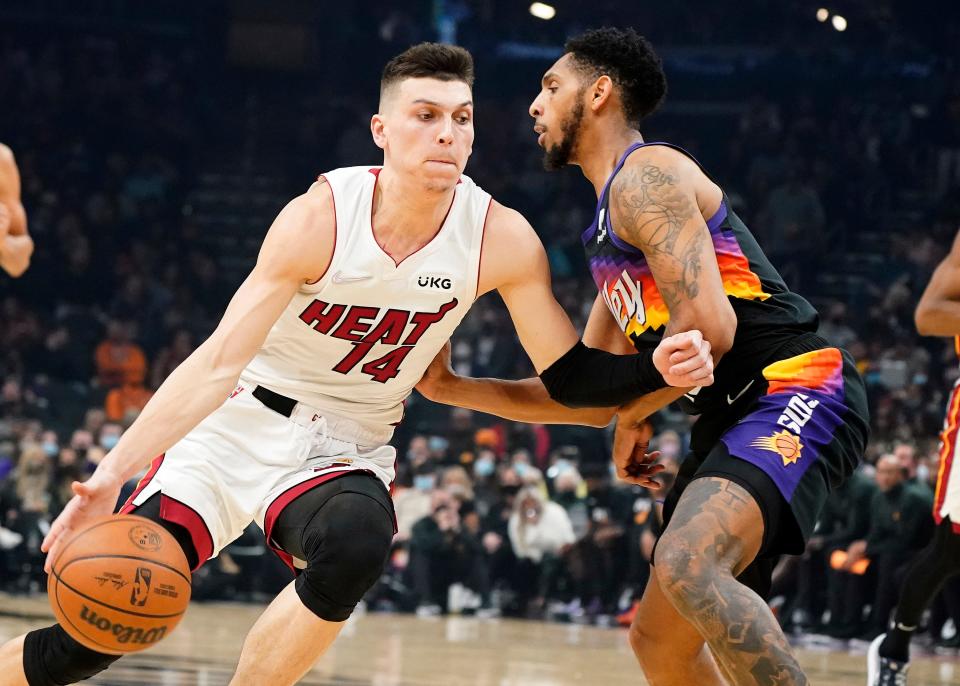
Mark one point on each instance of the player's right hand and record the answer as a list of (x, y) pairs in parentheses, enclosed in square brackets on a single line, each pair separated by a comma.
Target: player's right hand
[(96, 497), (439, 372), (634, 464), (684, 360)]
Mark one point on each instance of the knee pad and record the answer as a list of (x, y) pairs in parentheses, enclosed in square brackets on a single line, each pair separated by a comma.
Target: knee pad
[(51, 657), (346, 543)]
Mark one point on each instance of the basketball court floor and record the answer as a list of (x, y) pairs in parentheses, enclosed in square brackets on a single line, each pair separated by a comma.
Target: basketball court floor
[(402, 650)]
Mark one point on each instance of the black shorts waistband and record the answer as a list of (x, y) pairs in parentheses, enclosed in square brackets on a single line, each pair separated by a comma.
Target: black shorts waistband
[(804, 343), (280, 404)]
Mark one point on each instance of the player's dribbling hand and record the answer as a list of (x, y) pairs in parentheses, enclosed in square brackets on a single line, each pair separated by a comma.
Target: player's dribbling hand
[(684, 359), (95, 497), (439, 372), (634, 464)]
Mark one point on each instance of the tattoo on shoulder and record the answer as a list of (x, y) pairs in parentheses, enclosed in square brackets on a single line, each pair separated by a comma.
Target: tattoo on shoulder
[(653, 210)]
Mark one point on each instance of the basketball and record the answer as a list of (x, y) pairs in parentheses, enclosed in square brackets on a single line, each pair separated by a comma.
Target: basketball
[(120, 585)]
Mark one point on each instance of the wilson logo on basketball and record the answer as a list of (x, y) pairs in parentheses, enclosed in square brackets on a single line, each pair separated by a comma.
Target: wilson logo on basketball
[(141, 587), (121, 632), (145, 539)]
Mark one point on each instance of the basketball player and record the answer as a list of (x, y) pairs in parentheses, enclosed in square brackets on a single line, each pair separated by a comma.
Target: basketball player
[(786, 418), (360, 281), (938, 314), (16, 246)]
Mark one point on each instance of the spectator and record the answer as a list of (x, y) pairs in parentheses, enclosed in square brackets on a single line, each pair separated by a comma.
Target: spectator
[(845, 519), (835, 327), (569, 491), (125, 403), (119, 360), (900, 526), (109, 435), (443, 555), (793, 220), (31, 498), (540, 533), (412, 504), (906, 454), (69, 468), (170, 357)]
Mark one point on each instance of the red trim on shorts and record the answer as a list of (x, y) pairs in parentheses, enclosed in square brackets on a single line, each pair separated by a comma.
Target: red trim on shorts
[(288, 496), (128, 506), (333, 252), (483, 234), (948, 442), (173, 510)]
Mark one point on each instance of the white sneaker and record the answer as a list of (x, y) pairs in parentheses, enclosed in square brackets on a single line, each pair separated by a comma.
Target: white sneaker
[(882, 671), (428, 611)]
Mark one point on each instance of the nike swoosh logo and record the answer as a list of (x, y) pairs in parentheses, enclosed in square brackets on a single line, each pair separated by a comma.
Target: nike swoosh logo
[(731, 401), (340, 277)]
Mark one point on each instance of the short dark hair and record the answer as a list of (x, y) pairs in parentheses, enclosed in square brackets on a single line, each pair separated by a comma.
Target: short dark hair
[(630, 62), (429, 60)]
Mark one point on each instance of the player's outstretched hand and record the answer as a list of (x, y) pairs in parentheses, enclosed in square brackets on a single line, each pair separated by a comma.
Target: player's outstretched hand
[(439, 372), (634, 464), (95, 497), (684, 359)]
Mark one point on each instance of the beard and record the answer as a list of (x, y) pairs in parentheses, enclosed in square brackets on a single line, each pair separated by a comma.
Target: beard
[(558, 156)]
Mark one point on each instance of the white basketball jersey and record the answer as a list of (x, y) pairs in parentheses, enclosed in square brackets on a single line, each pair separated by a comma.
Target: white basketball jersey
[(354, 344)]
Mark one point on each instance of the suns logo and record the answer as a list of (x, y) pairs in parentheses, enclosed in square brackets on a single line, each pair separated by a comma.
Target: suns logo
[(624, 299), (783, 443)]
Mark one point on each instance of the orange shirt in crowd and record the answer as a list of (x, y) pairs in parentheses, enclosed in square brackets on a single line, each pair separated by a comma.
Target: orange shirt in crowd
[(120, 363), (129, 398)]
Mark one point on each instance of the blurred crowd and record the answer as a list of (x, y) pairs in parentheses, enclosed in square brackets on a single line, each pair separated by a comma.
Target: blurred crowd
[(853, 193)]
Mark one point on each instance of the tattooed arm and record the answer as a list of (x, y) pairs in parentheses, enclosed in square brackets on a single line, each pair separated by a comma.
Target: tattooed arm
[(654, 208)]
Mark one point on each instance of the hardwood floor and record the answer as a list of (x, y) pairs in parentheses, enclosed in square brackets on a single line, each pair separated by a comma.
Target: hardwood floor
[(402, 650)]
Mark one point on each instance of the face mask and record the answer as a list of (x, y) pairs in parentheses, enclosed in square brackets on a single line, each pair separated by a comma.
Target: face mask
[(557, 468), (923, 472), (50, 448), (437, 444), (109, 441), (423, 482), (520, 468), (483, 468)]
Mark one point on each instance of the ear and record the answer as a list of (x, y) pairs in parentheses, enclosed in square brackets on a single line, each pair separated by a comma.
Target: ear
[(600, 92), (377, 128)]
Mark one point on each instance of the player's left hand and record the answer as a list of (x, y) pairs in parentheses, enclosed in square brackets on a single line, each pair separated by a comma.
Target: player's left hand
[(634, 464), (93, 498)]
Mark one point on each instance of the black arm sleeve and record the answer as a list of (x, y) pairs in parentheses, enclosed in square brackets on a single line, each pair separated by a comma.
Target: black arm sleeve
[(586, 377)]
